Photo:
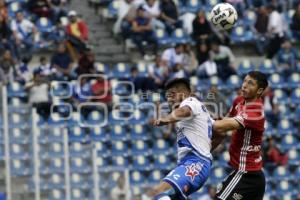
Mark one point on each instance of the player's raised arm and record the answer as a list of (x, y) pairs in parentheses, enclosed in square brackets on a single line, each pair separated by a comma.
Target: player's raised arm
[(175, 116)]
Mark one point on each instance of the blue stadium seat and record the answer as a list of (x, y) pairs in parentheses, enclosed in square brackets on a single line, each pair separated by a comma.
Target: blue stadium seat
[(17, 151), (297, 114), (141, 162), (249, 18), (138, 132), (122, 89), (215, 80), (138, 117), (119, 148), (55, 134), (56, 120), (162, 162), (113, 8), (281, 96), (78, 181), (18, 136), (139, 147), (286, 127), (162, 37), (267, 67), (269, 129), (57, 165), (15, 89), (118, 133), (44, 25), (121, 70), (102, 148), (56, 149), (234, 82), (57, 195), (43, 184), (211, 3), (13, 8), (223, 159), (217, 174), (245, 66), (120, 162), (193, 6), (77, 134), (241, 34), (98, 134), (295, 96), (60, 89), (155, 177), (19, 168), (160, 146), (136, 178), (294, 157), (289, 142), (281, 173), (56, 181), (95, 118), (179, 36), (102, 68), (102, 164), (17, 121), (276, 81), (77, 194), (283, 187), (285, 112), (293, 81), (80, 166), (78, 150)]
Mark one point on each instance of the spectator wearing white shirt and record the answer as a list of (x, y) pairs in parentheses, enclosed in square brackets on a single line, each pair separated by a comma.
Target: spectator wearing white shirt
[(276, 29), (173, 56), (152, 10), (120, 192), (24, 32), (211, 194)]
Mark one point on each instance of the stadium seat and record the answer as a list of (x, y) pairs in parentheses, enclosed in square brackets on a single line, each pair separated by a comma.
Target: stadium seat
[(78, 150), (249, 18), (56, 181), (211, 3), (281, 173), (120, 162), (118, 133), (245, 66), (233, 82), (286, 127), (102, 148), (297, 114), (160, 146), (276, 81), (19, 168), (56, 134), (179, 36), (162, 37), (138, 117), (215, 80), (295, 96), (113, 8), (61, 89), (95, 118), (283, 187), (57, 165), (78, 181), (217, 174), (17, 151), (121, 70), (17, 121), (155, 177), (102, 164), (56, 150), (77, 134), (141, 162), (138, 132), (13, 8), (139, 147), (15, 89), (281, 96), (98, 134), (293, 81), (77, 194), (193, 6), (57, 195), (18, 136), (294, 157), (79, 165), (55, 120), (285, 112), (44, 25), (162, 162), (267, 67), (142, 68), (241, 34), (136, 178), (102, 68), (289, 141), (119, 148)]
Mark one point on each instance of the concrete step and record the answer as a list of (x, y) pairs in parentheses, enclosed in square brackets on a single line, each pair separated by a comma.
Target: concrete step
[(109, 49), (116, 58)]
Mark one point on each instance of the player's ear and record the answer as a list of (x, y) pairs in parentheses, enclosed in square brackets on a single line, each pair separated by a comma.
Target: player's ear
[(260, 91)]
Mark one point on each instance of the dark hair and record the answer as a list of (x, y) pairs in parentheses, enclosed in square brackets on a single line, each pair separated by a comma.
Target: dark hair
[(261, 78), (176, 81)]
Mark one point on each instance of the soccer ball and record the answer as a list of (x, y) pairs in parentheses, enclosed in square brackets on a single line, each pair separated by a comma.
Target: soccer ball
[(223, 16)]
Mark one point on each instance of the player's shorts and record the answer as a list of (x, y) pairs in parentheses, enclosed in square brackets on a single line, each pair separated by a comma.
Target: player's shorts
[(243, 186), (189, 175)]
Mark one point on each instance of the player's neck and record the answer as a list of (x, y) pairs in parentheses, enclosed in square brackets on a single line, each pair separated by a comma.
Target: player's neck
[(251, 100)]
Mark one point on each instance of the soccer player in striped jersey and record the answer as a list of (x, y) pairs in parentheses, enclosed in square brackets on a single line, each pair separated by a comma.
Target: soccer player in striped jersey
[(246, 117)]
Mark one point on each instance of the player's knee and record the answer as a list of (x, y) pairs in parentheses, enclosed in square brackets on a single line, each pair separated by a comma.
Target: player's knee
[(162, 197)]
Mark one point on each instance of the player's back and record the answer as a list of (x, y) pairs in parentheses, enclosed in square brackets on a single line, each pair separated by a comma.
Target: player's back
[(245, 147), (194, 133)]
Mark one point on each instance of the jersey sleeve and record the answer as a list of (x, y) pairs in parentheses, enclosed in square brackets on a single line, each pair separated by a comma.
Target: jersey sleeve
[(192, 104), (250, 117), (232, 109)]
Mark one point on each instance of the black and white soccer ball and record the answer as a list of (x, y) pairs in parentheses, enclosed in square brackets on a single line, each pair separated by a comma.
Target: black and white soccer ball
[(223, 16)]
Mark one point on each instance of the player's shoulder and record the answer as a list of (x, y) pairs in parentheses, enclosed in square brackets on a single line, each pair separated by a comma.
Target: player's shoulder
[(238, 100)]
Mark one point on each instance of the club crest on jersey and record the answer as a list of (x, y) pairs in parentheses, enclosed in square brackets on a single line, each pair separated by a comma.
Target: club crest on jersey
[(193, 170)]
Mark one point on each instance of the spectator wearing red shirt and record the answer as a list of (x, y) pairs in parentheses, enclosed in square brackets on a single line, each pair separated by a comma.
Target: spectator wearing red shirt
[(3, 10), (86, 63), (101, 91), (77, 31)]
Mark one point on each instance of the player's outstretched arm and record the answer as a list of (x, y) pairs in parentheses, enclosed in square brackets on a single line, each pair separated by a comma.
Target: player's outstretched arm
[(176, 115)]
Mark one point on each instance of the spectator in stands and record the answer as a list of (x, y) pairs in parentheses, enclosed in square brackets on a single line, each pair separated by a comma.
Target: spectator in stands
[(7, 65), (215, 102), (126, 14), (58, 9), (141, 83), (202, 52), (224, 58), (276, 30), (77, 31), (81, 93), (142, 32), (86, 63), (62, 62), (24, 33), (152, 11), (211, 194), (261, 29), (38, 93), (169, 15), (201, 27), (41, 8), (120, 192), (5, 36), (102, 90), (287, 58), (189, 61), (158, 72), (3, 10), (295, 25), (239, 5), (45, 68), (173, 56), (273, 154), (23, 74), (271, 107)]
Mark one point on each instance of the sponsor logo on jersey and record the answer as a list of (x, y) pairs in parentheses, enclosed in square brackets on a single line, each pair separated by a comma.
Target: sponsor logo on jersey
[(237, 196), (193, 170)]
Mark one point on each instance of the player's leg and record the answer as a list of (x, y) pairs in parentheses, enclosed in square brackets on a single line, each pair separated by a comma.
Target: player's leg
[(163, 191)]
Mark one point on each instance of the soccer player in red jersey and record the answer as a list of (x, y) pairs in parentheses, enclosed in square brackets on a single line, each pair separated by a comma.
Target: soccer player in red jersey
[(246, 117)]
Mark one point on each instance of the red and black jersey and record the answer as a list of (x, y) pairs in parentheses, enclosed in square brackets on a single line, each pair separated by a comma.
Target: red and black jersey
[(245, 148)]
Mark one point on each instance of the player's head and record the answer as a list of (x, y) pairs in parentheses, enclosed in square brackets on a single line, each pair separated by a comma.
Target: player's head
[(254, 85), (177, 90)]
